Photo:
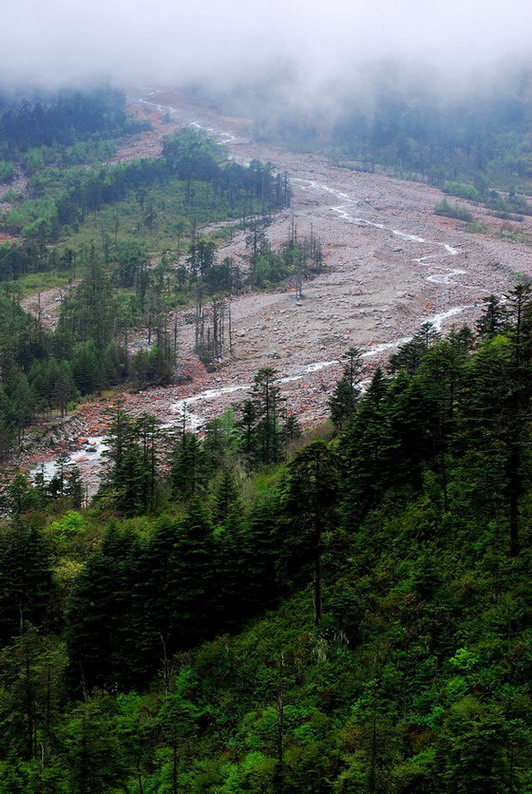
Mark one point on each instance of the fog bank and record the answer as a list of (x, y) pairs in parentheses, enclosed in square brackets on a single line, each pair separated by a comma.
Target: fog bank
[(65, 42)]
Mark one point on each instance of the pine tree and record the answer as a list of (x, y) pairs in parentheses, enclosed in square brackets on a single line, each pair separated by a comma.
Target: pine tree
[(262, 541), (188, 473), (193, 563), (130, 483), (226, 496), (154, 606), (364, 451), (518, 459), (26, 576), (221, 440), (346, 393), (100, 638), (230, 572), (92, 750), (32, 674), (410, 355), (291, 429), (21, 496), (246, 425), (21, 401), (261, 419), (493, 321), (309, 501)]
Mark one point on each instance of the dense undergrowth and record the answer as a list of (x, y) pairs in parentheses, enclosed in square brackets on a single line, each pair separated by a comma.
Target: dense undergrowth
[(256, 612)]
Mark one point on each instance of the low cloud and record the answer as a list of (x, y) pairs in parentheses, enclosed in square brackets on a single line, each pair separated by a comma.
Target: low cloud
[(128, 42)]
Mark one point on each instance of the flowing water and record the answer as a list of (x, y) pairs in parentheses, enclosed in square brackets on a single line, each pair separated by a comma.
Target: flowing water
[(94, 447)]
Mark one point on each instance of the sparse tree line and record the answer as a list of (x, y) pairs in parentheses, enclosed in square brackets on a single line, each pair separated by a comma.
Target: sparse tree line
[(122, 291), (296, 258), (510, 208), (46, 371), (60, 200), (61, 118)]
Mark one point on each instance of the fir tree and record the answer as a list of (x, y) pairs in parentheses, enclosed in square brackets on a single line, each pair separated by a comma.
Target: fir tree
[(346, 393), (26, 576)]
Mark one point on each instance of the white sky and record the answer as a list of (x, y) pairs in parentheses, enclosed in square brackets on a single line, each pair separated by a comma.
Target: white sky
[(132, 41)]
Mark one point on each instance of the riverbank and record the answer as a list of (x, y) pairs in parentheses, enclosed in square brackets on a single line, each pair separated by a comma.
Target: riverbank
[(390, 265)]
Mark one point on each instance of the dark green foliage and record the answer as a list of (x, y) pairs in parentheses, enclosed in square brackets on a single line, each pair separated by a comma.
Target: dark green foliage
[(26, 589), (34, 696), (193, 555), (192, 155), (393, 562), (21, 497), (93, 756), (263, 420), (493, 320), (134, 456), (347, 390), (155, 367), (221, 440), (266, 398), (44, 372), (54, 384), (410, 355), (62, 119), (99, 617), (191, 166), (188, 472), (296, 259), (226, 497), (309, 501)]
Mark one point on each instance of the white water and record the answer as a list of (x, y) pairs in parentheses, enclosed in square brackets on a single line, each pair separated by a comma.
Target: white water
[(340, 209), (194, 421), (95, 447), (436, 320), (226, 138), (90, 452)]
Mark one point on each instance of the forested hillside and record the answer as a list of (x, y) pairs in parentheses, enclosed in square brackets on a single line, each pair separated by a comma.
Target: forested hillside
[(125, 241), (388, 115), (257, 611), (65, 128)]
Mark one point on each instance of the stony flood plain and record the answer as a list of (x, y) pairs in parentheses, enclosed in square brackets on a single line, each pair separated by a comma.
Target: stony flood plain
[(391, 264)]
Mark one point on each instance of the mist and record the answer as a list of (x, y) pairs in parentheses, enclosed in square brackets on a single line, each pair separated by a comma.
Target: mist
[(69, 42)]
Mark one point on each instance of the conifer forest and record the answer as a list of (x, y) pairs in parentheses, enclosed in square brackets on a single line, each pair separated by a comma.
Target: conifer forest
[(319, 584)]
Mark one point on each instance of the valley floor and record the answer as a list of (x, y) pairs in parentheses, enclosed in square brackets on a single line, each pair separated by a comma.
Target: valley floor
[(391, 264)]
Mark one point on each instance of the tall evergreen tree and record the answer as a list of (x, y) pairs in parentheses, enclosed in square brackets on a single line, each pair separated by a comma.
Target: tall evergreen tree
[(309, 501), (26, 575), (189, 466), (346, 393), (493, 319), (263, 415), (99, 618)]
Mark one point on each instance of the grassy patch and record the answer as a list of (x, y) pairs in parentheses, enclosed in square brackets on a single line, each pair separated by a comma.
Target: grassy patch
[(476, 227), (457, 211), (37, 282), (160, 218)]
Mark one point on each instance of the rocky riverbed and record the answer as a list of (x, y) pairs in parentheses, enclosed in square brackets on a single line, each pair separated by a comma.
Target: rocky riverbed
[(390, 265)]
